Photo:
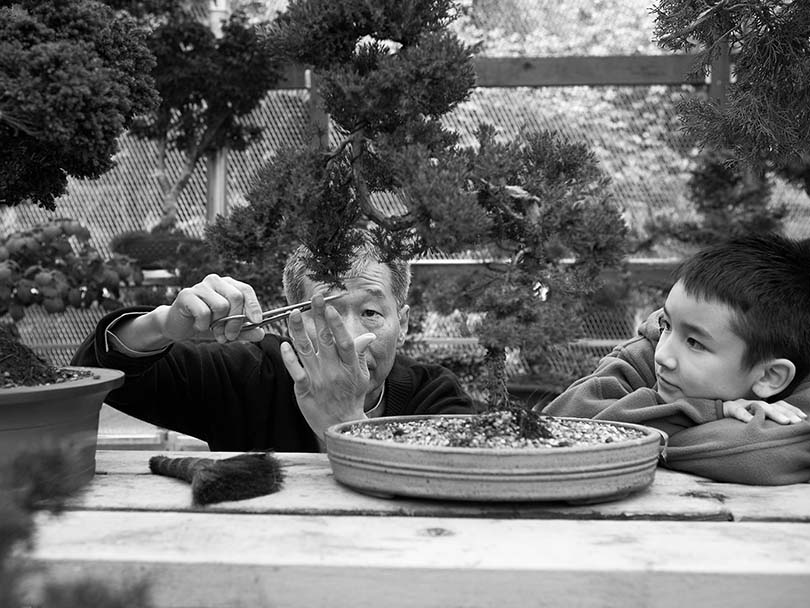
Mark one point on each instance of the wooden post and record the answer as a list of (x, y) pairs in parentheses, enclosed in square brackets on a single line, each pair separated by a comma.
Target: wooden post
[(720, 75), (217, 162), (216, 185), (319, 119)]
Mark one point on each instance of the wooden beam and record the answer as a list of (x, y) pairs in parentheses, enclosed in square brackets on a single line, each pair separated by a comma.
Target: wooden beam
[(236, 559), (562, 71), (594, 71)]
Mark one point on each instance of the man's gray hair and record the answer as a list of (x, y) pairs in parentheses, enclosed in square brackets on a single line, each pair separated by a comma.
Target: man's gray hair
[(366, 252)]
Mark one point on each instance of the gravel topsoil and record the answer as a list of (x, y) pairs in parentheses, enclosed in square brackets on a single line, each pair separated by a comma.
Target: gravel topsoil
[(21, 366), (499, 429)]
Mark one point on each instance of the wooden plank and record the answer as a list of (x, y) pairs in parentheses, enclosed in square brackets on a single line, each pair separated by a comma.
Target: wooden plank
[(594, 71), (197, 559), (560, 71), (123, 482)]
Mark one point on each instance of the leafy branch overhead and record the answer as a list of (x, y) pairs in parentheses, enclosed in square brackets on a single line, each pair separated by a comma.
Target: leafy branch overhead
[(72, 77), (208, 85), (765, 117)]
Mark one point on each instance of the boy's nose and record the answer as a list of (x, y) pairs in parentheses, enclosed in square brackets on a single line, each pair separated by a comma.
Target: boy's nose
[(664, 355)]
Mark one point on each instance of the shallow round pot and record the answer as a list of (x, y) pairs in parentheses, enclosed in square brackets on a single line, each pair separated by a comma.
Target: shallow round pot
[(592, 473), (62, 415)]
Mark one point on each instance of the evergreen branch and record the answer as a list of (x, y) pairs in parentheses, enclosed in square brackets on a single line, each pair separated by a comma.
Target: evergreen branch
[(699, 20)]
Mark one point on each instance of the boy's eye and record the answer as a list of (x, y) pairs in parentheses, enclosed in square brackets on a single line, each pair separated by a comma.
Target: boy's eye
[(692, 343), (663, 324)]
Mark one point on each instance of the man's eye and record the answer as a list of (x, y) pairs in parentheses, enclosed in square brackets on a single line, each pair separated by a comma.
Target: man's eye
[(692, 343), (663, 324), (371, 313)]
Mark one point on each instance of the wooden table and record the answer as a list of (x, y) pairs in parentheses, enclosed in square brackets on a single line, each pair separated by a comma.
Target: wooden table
[(686, 541)]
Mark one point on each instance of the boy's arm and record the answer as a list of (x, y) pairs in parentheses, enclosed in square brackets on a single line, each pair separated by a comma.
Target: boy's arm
[(622, 389), (761, 451)]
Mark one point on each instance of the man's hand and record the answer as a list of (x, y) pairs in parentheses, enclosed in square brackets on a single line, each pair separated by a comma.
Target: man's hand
[(779, 411), (195, 308), (191, 314), (330, 371)]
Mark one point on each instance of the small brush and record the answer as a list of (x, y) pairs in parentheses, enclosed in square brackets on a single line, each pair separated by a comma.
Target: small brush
[(235, 478)]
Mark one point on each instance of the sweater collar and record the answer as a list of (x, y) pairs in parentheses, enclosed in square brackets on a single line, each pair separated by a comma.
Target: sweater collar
[(398, 388)]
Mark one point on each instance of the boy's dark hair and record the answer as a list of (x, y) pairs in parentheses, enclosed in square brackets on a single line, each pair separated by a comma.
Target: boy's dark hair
[(765, 279)]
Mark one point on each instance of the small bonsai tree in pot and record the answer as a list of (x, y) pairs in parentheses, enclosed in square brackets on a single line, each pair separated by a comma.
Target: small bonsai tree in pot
[(536, 209), (73, 74)]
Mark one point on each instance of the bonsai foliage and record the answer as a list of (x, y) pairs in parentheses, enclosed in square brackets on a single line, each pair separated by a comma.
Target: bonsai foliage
[(730, 199), (537, 207), (207, 86), (31, 483), (72, 77), (765, 117), (54, 265)]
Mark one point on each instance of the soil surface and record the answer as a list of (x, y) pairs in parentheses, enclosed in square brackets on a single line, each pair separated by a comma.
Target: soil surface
[(21, 366), (499, 429)]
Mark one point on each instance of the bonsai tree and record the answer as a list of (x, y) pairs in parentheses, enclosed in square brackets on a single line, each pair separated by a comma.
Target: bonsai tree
[(729, 198), (764, 119), (537, 207), (207, 86), (72, 77)]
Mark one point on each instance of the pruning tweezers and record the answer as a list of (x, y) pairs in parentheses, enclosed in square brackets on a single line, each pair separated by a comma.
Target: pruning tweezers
[(271, 315)]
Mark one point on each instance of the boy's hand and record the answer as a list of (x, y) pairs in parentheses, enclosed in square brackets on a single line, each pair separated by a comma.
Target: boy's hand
[(779, 411)]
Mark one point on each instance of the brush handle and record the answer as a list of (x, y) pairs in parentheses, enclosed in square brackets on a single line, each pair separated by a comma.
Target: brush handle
[(181, 468)]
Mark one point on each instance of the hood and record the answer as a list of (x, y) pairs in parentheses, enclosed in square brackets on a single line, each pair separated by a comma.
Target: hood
[(649, 329)]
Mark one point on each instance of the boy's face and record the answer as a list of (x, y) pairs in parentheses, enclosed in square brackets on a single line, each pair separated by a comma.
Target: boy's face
[(368, 306), (698, 355)]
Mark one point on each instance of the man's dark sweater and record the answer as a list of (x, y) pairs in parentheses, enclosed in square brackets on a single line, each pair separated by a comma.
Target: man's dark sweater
[(239, 396)]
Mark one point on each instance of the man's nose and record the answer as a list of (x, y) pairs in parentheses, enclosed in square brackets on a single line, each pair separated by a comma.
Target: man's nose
[(354, 325)]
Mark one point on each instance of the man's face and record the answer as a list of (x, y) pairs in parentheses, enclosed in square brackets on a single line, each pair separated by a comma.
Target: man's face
[(698, 354), (368, 306)]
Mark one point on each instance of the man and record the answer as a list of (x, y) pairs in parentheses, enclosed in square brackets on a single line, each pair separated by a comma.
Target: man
[(254, 391)]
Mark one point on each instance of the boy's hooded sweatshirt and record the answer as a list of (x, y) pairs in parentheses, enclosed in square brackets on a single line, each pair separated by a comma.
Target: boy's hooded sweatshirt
[(701, 440)]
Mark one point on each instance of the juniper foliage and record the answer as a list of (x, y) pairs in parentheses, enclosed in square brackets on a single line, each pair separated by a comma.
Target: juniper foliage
[(73, 75), (538, 206), (765, 118)]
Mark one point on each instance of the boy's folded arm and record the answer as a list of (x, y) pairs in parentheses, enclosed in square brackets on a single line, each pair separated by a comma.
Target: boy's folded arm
[(760, 452)]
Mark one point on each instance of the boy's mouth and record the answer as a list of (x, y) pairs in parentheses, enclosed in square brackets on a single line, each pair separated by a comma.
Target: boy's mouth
[(663, 383)]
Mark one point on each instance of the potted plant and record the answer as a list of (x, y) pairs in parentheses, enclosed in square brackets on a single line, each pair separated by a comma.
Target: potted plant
[(536, 210), (210, 77), (74, 74)]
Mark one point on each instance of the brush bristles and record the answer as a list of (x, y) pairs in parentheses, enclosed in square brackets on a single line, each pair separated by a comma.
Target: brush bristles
[(235, 478)]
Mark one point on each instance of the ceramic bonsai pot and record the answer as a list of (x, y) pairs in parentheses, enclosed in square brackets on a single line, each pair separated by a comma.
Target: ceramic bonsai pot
[(580, 473), (62, 415)]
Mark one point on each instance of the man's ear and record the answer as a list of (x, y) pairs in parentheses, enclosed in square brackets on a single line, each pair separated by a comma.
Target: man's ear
[(776, 376), (404, 316)]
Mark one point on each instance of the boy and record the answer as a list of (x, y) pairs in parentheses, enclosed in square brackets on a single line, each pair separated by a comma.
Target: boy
[(722, 368)]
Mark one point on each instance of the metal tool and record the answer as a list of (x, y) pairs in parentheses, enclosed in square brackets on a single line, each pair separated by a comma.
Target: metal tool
[(272, 315)]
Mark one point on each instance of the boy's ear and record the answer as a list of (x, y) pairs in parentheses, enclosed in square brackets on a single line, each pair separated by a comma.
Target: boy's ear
[(777, 374)]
